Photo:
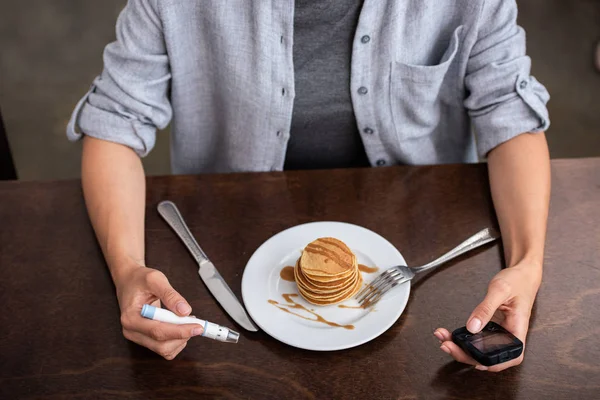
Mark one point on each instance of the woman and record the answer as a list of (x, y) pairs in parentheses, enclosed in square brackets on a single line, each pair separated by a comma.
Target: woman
[(257, 86)]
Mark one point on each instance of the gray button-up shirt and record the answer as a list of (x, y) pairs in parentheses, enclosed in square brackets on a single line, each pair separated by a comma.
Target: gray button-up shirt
[(439, 81)]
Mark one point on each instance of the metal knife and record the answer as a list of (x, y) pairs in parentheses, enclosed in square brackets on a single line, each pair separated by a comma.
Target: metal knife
[(207, 271)]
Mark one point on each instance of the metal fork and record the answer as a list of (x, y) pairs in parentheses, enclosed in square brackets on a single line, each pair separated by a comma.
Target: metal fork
[(400, 274)]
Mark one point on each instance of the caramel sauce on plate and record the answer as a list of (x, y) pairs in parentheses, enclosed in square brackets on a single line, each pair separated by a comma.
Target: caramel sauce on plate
[(287, 274), (292, 305), (367, 270), (345, 306)]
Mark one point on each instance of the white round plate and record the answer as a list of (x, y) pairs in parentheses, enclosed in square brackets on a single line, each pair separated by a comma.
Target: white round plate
[(262, 283)]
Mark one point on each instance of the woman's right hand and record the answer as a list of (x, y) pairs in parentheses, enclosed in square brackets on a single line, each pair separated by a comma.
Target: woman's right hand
[(115, 195), (138, 285)]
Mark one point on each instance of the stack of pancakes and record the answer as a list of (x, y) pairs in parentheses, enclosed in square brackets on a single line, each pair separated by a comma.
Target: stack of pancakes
[(327, 272)]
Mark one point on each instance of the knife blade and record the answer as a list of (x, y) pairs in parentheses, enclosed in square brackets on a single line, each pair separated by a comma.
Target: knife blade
[(206, 269), (217, 286)]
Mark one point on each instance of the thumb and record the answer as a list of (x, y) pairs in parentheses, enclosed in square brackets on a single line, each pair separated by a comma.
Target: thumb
[(498, 293), (160, 287)]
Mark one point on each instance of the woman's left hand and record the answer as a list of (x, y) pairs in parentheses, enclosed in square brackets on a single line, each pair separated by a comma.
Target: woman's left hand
[(508, 302)]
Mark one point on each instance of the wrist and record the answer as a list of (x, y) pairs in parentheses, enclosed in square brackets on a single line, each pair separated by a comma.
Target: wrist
[(533, 270), (121, 267), (532, 256), (533, 263)]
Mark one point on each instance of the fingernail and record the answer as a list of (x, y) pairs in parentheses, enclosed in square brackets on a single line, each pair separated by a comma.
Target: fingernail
[(438, 335), (445, 349), (481, 367), (474, 325), (183, 308), (197, 331)]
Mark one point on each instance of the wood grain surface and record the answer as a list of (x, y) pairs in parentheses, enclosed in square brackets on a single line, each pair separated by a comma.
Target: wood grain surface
[(60, 335)]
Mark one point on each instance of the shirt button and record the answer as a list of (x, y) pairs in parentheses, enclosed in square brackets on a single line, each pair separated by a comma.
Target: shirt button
[(365, 39), (278, 133), (368, 131), (523, 85), (363, 90), (380, 162)]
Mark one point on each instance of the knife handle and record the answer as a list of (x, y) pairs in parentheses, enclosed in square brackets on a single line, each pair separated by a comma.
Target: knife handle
[(168, 210)]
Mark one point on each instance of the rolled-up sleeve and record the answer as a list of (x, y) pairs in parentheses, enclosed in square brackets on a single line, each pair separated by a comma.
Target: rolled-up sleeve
[(129, 101), (503, 100)]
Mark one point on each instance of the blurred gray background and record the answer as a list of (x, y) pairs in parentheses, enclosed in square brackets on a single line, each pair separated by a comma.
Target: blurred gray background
[(51, 50)]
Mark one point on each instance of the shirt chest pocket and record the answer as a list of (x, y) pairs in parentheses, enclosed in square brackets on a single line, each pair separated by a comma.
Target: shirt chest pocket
[(417, 107)]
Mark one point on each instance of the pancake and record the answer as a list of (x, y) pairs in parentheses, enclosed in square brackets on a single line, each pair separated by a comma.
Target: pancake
[(322, 284), (335, 295), (328, 257), (327, 272), (326, 301), (307, 285), (325, 281)]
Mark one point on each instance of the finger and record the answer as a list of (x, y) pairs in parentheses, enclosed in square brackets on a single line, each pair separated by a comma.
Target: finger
[(498, 293), (457, 353), (175, 352), (159, 331), (168, 349), (517, 324), (508, 364), (160, 286), (442, 334), (445, 336)]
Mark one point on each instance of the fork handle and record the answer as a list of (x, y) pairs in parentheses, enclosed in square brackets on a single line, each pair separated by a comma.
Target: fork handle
[(479, 239)]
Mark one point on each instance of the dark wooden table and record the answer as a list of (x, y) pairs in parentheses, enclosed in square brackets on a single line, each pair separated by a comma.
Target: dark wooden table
[(60, 335)]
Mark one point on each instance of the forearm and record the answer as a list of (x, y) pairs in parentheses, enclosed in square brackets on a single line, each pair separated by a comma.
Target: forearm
[(114, 190), (519, 172)]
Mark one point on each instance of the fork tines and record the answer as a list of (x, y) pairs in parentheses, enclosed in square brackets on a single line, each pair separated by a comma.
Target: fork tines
[(373, 291)]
